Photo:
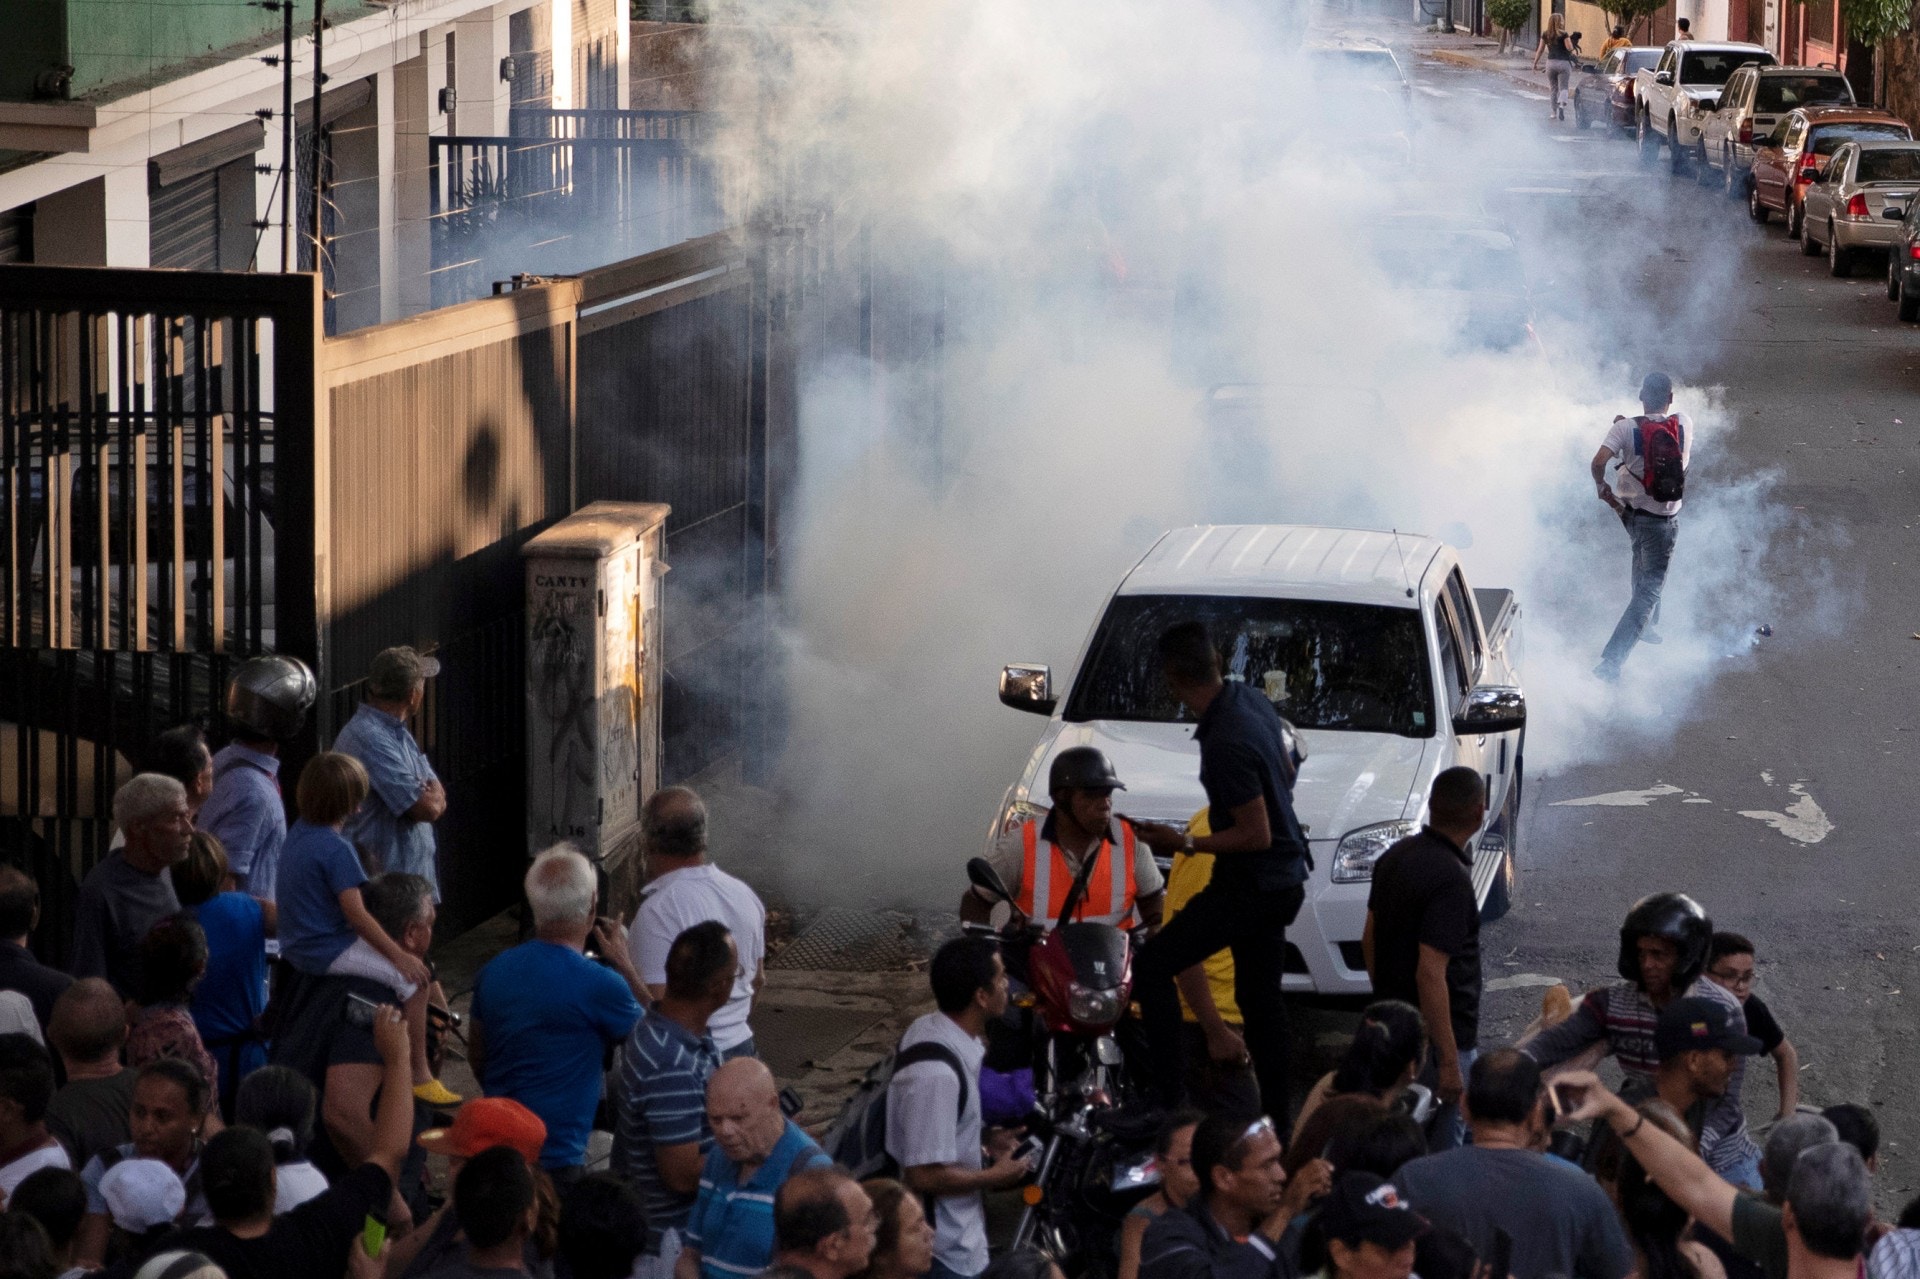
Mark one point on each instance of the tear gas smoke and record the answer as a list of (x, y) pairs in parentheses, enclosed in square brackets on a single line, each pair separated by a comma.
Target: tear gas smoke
[(1108, 207)]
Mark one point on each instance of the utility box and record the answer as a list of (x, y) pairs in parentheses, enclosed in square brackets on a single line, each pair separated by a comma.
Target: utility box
[(594, 682)]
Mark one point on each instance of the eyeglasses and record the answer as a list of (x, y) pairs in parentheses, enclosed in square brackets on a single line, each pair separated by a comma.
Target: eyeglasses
[(1734, 977)]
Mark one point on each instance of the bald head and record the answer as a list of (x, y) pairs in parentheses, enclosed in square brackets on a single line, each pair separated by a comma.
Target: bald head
[(89, 1024), (743, 1109)]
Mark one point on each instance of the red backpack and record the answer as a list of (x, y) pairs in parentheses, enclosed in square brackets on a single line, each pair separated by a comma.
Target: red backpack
[(1662, 448)]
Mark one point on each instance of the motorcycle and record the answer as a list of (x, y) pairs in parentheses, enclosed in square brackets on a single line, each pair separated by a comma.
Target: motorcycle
[(1094, 1132)]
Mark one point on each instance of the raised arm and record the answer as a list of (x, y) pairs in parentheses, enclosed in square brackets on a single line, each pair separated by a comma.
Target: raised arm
[(1674, 1168)]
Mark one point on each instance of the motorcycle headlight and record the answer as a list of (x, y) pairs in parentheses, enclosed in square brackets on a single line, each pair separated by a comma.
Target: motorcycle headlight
[(1359, 849), (1093, 1007)]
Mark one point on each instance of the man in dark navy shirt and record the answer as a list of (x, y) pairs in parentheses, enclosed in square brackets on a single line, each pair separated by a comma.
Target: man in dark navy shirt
[(1260, 865)]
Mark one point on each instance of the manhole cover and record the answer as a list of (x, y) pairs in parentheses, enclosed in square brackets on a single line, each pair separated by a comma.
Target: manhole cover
[(862, 941), (791, 1037)]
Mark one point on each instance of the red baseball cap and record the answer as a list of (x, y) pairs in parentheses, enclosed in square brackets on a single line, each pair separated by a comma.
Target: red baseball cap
[(484, 1123)]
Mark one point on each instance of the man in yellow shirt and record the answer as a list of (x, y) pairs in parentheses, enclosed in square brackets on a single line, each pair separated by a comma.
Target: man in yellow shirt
[(1220, 1072), (1618, 40)]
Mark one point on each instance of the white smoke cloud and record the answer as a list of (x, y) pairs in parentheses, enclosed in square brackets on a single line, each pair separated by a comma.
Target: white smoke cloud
[(1047, 178)]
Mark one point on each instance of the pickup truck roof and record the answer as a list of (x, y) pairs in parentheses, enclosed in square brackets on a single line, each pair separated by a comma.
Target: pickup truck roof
[(1358, 566), (1717, 46)]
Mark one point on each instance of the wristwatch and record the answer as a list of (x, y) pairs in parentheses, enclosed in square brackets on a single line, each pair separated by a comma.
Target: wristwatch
[(1186, 842)]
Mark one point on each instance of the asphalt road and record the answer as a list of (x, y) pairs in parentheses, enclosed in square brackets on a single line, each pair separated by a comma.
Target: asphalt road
[(1782, 797)]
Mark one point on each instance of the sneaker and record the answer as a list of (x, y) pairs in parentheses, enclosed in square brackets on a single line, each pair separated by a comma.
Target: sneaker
[(435, 1093), (1649, 636), (1606, 673)]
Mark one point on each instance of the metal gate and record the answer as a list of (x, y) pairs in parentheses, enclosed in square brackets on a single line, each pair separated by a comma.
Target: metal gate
[(155, 525)]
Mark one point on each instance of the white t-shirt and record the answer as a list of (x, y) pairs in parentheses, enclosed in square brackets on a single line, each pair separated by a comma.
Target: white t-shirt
[(693, 895), (52, 1155), (1627, 480), (921, 1102), (294, 1184)]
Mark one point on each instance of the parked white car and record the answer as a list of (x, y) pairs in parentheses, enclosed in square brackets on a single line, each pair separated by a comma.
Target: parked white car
[(1682, 90), (1370, 643)]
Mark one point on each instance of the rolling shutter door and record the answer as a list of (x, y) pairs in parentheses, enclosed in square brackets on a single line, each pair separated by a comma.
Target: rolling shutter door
[(184, 223), (16, 235)]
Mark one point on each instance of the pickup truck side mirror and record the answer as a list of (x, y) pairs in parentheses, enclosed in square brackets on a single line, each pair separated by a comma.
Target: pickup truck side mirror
[(1027, 687), (1491, 708), (1663, 77)]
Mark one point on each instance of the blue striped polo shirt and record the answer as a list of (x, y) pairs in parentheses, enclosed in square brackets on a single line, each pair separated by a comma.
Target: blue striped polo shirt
[(662, 1102), (732, 1221)]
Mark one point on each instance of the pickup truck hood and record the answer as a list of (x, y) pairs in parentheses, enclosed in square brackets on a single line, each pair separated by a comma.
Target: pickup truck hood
[(1349, 780)]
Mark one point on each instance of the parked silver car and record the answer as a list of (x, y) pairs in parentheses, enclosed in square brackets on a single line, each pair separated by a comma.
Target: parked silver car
[(1845, 207), (1756, 100)]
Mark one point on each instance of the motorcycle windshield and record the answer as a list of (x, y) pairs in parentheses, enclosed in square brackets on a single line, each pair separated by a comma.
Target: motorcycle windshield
[(1098, 953)]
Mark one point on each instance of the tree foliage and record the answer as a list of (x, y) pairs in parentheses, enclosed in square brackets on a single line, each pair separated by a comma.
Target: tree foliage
[(1509, 15), (1627, 12), (1871, 22)]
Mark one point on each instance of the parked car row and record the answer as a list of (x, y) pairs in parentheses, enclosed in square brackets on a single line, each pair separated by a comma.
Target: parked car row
[(1790, 141)]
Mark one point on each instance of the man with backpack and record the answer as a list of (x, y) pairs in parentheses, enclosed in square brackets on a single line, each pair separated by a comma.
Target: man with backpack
[(933, 1130), (1652, 451)]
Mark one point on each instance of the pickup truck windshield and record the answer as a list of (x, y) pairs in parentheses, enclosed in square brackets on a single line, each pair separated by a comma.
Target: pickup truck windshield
[(1715, 68), (1359, 668)]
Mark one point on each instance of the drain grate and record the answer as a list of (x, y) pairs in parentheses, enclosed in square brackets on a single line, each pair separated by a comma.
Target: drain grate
[(863, 941)]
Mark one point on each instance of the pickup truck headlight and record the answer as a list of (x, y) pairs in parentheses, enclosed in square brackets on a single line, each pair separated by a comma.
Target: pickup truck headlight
[(1359, 849)]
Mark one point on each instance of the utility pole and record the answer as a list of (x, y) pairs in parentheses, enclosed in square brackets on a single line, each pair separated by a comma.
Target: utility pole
[(318, 174), (287, 262)]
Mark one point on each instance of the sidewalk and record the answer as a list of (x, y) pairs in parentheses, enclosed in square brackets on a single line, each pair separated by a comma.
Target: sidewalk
[(1480, 53)]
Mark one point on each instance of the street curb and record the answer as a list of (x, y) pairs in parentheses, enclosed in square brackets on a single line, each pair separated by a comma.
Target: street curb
[(1480, 64)]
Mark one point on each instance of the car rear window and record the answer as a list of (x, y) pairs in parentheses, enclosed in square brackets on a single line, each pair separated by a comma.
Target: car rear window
[(1888, 166), (1714, 68), (1784, 93), (1829, 138)]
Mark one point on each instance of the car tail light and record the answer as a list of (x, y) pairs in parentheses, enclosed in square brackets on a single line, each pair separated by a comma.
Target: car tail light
[(1914, 252), (1746, 133), (1857, 207)]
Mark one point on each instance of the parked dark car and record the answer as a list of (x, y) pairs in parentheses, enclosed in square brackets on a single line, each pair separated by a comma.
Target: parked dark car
[(1903, 260), (1603, 90)]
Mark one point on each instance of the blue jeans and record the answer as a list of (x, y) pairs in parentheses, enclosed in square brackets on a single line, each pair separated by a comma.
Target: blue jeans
[(1652, 549), (1447, 1125)]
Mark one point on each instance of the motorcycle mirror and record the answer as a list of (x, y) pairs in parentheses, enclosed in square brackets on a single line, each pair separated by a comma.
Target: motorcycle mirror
[(982, 875)]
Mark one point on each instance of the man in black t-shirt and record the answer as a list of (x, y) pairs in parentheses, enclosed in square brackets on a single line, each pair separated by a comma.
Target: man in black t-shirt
[(311, 1241), (1260, 864), (1731, 965), (1422, 941)]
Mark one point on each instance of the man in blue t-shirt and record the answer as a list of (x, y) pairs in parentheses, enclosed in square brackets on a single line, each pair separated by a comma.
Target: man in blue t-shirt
[(544, 1014), (756, 1148)]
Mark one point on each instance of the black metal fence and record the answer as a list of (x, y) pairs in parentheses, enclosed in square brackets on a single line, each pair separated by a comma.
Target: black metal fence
[(564, 192), (155, 525)]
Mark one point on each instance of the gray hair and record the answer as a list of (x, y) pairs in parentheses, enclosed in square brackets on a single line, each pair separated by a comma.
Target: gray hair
[(560, 886), (1832, 1199), (674, 822), (1789, 1137), (145, 796)]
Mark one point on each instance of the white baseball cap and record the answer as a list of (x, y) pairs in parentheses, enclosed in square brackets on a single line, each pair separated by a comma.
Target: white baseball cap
[(142, 1194)]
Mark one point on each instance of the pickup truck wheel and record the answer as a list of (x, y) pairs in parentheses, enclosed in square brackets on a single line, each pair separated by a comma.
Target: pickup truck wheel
[(1909, 302), (1500, 892), (1839, 260), (1648, 141), (1676, 154), (1755, 210)]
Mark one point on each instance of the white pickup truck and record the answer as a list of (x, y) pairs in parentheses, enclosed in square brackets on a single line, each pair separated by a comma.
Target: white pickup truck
[(1370, 643), (1678, 93)]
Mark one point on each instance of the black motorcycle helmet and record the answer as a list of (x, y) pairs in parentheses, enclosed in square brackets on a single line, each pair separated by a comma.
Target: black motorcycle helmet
[(1677, 918), (270, 696), (1082, 768)]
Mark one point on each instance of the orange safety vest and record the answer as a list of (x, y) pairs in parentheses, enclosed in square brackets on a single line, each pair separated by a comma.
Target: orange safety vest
[(1046, 881)]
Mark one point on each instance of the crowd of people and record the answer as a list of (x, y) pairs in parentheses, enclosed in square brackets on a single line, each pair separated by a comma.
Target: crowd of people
[(161, 1118)]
